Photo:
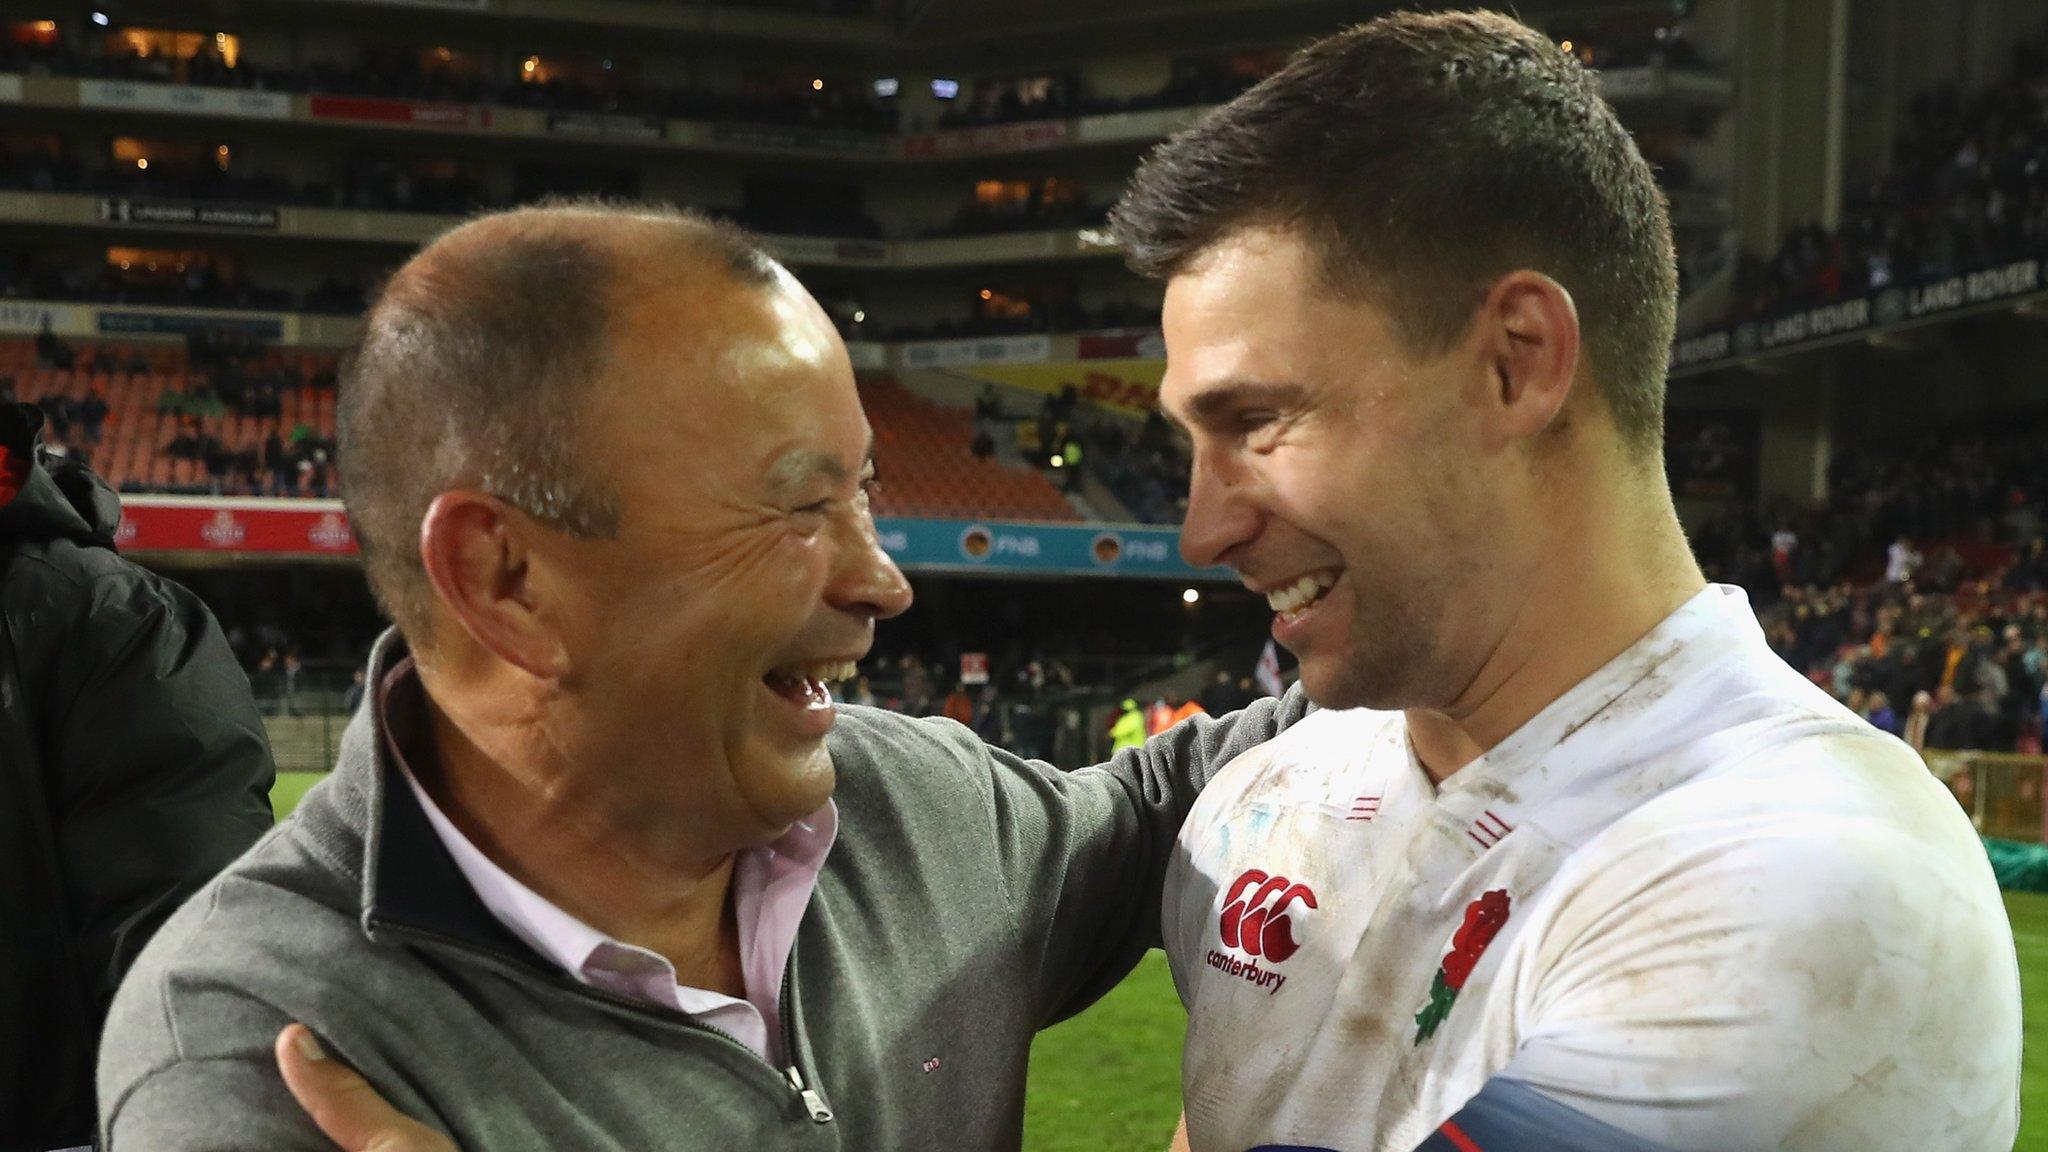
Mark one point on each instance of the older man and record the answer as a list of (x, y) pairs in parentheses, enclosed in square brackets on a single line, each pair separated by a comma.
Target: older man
[(602, 866)]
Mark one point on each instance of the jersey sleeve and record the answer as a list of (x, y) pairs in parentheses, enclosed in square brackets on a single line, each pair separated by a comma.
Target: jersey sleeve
[(1086, 852), (1806, 984)]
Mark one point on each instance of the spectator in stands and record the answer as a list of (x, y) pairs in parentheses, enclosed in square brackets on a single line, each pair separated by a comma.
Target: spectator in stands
[(352, 699), (1901, 561), (1224, 695), (1129, 729), (133, 767), (958, 706), (288, 684), (264, 681), (1917, 721), (1878, 710), (1159, 715), (917, 685)]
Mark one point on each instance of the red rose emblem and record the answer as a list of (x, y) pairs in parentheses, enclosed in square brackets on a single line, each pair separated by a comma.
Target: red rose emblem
[(1483, 920)]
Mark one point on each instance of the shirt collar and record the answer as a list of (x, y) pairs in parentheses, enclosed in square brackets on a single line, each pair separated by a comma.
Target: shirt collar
[(1561, 745), (552, 932)]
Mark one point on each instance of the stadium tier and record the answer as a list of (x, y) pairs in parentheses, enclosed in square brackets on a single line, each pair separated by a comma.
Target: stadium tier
[(924, 455), (260, 422)]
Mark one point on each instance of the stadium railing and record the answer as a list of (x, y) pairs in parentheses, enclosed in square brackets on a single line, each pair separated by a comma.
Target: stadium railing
[(2003, 792)]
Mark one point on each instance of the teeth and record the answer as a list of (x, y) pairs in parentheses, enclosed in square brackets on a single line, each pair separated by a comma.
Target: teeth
[(1301, 593), (824, 671)]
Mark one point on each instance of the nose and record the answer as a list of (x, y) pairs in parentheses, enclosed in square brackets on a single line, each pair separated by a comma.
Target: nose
[(865, 581), (1220, 514)]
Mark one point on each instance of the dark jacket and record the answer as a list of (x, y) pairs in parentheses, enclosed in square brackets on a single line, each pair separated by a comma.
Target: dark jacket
[(133, 767)]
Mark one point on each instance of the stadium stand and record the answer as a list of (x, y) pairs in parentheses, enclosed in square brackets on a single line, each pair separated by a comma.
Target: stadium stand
[(220, 418), (1968, 187), (195, 420), (925, 458)]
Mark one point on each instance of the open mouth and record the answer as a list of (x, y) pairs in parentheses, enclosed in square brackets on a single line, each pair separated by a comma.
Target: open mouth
[(1294, 601), (809, 685)]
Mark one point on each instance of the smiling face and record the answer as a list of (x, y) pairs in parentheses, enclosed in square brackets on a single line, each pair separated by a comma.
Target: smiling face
[(746, 573), (1353, 481)]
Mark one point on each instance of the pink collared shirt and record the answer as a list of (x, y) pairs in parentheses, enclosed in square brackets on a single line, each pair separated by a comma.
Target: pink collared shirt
[(771, 886)]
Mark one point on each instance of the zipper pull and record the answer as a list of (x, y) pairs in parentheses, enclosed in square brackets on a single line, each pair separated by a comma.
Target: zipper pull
[(811, 1099)]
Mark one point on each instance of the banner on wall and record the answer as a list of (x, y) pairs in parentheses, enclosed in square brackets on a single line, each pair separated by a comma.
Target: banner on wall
[(1018, 549), (419, 113), (137, 323), (991, 350), (1810, 327), (1128, 344), (607, 126), (319, 528), (284, 528), (772, 137), (1130, 387), (239, 102), (153, 210), (31, 316), (998, 138)]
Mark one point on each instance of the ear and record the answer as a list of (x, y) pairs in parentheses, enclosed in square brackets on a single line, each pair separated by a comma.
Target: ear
[(1531, 326), (477, 552)]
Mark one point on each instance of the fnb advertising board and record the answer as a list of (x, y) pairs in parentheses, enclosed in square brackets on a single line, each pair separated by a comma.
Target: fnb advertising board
[(201, 525)]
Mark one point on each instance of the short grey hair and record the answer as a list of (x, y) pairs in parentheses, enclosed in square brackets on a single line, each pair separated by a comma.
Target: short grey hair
[(476, 366)]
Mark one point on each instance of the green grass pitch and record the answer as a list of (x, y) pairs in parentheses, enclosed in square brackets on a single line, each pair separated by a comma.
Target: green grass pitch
[(1109, 1079)]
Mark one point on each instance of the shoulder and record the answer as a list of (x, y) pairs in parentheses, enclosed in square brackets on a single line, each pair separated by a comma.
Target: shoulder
[(1305, 765), (72, 588), (1813, 933), (868, 745), (1828, 861), (256, 943)]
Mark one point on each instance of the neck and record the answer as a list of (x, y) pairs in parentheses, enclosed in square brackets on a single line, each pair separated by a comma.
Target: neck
[(522, 804), (1617, 568)]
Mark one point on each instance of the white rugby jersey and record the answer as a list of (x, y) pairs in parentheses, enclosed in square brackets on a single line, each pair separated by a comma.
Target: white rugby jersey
[(1695, 898)]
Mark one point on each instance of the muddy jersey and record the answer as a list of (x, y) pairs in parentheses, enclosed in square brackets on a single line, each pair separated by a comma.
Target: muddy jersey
[(1694, 899)]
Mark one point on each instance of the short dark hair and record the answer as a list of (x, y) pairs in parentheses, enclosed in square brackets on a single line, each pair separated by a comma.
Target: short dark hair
[(475, 366), (1423, 156)]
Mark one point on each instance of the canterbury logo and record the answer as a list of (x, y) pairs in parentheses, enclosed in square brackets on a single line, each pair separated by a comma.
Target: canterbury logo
[(1255, 914)]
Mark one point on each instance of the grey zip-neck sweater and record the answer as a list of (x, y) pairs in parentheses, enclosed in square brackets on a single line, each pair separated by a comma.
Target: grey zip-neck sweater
[(971, 899)]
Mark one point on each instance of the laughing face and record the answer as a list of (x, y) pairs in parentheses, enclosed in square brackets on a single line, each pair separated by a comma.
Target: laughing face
[(746, 577), (1348, 478)]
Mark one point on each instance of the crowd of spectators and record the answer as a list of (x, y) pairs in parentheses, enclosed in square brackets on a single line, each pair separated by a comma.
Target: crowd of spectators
[(1917, 592), (407, 75), (197, 285), (1939, 511), (1942, 672), (410, 75), (1967, 187), (385, 185), (1013, 104)]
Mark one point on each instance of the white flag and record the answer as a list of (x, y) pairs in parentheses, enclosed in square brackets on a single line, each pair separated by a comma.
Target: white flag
[(1267, 671)]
